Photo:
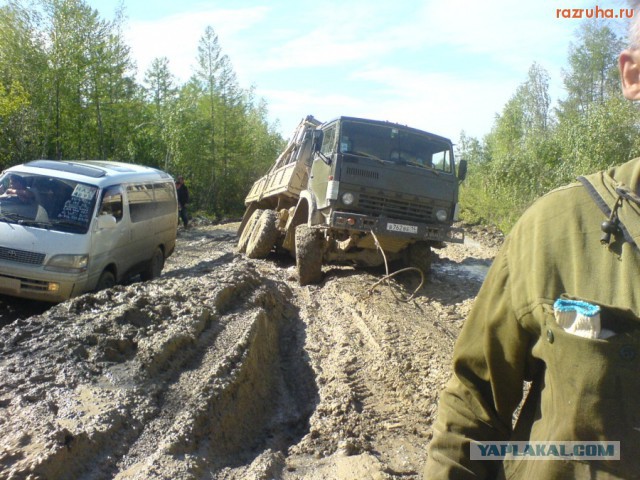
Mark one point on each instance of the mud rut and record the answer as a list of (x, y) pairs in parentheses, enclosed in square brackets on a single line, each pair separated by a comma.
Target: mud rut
[(225, 368)]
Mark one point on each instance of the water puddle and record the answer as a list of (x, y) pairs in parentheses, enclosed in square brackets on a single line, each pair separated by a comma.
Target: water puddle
[(473, 271)]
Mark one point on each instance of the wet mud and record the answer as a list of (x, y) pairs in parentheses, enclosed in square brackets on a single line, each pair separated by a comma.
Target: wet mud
[(225, 368)]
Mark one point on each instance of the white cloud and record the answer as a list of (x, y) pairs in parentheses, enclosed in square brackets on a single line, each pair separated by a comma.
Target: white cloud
[(176, 37), (440, 103), (374, 59)]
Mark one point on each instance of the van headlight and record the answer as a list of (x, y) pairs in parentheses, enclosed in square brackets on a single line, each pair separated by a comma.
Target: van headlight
[(68, 263), (441, 215), (348, 198)]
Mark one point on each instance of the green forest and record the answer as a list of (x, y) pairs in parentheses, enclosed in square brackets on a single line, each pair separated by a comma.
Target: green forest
[(535, 145), (69, 90)]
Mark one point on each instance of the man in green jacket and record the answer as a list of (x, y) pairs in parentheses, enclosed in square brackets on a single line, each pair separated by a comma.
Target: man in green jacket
[(559, 310)]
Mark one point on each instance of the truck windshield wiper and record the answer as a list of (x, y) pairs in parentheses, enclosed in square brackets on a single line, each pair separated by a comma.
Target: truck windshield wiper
[(428, 167), (365, 155)]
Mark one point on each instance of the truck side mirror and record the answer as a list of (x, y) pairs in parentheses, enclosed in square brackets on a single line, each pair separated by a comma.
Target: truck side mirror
[(462, 170)]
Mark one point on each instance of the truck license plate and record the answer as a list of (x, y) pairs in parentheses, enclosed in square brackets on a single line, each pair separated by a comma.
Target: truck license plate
[(399, 227)]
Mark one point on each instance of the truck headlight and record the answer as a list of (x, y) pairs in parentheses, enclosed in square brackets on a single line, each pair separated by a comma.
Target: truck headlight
[(348, 198), (441, 215), (68, 263)]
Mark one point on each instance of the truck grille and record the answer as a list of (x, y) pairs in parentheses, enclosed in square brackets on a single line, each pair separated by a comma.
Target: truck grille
[(21, 256), (361, 172), (393, 208)]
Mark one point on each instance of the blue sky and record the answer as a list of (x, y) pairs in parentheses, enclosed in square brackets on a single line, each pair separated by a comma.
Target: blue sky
[(442, 66)]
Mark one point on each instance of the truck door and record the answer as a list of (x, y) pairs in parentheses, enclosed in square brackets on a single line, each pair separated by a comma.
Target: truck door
[(322, 166)]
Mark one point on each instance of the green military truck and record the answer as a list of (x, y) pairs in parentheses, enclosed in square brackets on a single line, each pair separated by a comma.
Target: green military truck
[(343, 189)]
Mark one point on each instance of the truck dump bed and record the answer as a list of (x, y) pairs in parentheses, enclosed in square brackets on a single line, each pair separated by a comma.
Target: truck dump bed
[(288, 176)]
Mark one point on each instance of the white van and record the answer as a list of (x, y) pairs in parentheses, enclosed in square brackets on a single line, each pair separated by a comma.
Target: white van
[(71, 227)]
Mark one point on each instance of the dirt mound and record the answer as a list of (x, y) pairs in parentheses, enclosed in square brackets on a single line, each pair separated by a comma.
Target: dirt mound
[(225, 368)]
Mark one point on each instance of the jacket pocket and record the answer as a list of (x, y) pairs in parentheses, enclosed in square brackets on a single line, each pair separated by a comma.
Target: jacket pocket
[(591, 386)]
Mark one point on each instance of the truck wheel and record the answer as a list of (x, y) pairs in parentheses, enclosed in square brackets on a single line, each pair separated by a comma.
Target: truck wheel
[(308, 255), (419, 256), (155, 266), (106, 280), (248, 230), (264, 235)]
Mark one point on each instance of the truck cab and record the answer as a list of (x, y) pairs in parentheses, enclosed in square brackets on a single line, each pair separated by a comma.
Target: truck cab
[(369, 190)]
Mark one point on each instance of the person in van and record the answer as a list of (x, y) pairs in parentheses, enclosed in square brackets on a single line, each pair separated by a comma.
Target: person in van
[(17, 188), (17, 199)]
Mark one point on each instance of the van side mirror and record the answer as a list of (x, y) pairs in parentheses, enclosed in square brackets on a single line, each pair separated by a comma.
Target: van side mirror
[(106, 221), (462, 170)]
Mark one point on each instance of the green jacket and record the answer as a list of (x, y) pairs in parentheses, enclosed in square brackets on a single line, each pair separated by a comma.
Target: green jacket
[(581, 389)]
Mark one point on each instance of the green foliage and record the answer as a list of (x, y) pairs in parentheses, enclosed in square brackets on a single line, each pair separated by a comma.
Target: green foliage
[(68, 91), (531, 151)]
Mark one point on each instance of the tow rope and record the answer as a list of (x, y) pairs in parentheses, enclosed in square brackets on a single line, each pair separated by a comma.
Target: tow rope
[(390, 275)]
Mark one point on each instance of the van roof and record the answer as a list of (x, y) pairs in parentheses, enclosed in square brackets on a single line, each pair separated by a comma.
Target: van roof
[(94, 171)]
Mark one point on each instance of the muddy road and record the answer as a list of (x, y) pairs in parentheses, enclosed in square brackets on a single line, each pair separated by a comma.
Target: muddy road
[(225, 368)]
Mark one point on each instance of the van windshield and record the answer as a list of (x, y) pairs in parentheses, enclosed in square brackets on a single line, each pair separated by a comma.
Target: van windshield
[(46, 202)]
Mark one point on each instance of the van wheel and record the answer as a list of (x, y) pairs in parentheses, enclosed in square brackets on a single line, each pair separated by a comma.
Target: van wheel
[(309, 252), (264, 235), (155, 266), (248, 230), (106, 280)]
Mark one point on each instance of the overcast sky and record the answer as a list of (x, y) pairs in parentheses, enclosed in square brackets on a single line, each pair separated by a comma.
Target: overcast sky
[(442, 66)]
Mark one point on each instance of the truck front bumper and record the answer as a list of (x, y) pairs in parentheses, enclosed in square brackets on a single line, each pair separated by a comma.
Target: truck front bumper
[(394, 227)]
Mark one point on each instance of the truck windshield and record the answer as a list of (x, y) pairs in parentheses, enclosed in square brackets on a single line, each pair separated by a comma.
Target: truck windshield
[(394, 144), (46, 202)]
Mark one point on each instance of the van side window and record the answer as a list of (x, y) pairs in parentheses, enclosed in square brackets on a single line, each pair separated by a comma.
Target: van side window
[(141, 202), (165, 194), (112, 202)]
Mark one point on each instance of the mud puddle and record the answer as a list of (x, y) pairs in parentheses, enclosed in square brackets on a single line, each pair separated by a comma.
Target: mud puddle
[(474, 270)]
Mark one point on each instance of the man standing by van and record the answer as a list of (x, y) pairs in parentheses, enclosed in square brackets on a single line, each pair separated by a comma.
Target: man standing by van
[(183, 200)]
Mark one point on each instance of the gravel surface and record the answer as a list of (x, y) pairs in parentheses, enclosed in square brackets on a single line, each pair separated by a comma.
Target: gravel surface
[(225, 368)]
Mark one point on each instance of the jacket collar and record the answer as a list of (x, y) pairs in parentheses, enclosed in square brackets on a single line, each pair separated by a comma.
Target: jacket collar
[(616, 192)]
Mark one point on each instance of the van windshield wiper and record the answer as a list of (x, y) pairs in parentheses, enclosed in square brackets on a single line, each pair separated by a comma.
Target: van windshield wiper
[(67, 223), (35, 223), (10, 217)]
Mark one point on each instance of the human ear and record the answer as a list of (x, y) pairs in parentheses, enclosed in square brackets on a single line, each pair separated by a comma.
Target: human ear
[(629, 64)]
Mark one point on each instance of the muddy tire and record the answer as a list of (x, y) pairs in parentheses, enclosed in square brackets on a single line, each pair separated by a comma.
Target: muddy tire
[(248, 230), (264, 235), (309, 252), (419, 256), (155, 266), (106, 280)]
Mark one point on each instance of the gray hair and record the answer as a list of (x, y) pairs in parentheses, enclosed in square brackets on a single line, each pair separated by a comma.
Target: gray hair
[(634, 25)]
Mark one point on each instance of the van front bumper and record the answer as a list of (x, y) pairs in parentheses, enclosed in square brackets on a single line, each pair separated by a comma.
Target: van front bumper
[(39, 285)]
